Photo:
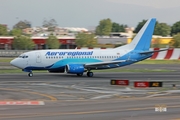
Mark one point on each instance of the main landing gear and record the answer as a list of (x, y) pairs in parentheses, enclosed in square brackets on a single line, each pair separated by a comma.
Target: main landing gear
[(90, 74), (30, 74)]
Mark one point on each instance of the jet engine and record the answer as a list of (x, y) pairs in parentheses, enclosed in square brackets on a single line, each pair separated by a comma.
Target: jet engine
[(74, 68)]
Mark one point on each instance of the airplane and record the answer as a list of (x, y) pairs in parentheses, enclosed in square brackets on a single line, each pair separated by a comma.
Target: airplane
[(79, 61)]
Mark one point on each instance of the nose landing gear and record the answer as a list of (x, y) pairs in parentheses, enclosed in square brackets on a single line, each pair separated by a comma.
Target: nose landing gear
[(30, 74)]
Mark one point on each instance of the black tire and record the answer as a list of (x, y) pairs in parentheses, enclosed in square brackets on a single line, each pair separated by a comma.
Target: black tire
[(30, 74), (90, 74)]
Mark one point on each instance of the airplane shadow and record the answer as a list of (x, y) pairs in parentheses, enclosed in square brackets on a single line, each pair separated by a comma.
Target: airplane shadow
[(84, 76)]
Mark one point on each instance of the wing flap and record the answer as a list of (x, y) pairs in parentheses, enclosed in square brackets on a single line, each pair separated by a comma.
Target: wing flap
[(104, 63)]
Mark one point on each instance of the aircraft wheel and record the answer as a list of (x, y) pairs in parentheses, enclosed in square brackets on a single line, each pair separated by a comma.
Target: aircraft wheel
[(30, 74), (80, 74), (90, 74)]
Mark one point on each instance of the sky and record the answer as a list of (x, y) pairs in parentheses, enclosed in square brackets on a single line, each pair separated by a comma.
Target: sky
[(88, 13)]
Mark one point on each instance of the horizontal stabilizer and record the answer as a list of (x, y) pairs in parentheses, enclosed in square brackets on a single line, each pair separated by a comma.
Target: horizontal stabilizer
[(147, 52)]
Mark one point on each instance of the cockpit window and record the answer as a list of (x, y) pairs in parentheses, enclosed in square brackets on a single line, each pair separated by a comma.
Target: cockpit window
[(23, 56)]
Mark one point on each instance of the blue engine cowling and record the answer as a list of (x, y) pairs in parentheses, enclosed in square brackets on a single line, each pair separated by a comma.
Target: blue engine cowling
[(74, 68)]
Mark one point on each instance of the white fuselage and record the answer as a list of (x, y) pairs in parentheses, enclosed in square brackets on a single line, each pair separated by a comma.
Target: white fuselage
[(41, 59)]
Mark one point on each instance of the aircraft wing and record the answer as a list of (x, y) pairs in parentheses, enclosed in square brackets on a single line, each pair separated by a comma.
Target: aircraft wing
[(103, 63), (147, 52)]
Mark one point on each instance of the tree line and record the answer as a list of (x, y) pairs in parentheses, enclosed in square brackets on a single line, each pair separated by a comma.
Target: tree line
[(163, 29), (105, 27), (23, 41)]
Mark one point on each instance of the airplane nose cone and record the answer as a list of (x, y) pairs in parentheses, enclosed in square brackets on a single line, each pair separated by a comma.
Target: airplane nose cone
[(15, 63), (12, 62), (18, 63)]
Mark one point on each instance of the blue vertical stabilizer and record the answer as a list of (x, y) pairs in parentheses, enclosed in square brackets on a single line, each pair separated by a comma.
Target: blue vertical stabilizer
[(142, 41)]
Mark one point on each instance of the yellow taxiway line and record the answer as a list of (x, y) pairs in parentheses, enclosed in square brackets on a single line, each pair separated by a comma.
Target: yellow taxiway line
[(30, 92)]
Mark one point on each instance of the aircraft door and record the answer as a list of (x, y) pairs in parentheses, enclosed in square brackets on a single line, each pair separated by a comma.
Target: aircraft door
[(38, 57), (25, 59)]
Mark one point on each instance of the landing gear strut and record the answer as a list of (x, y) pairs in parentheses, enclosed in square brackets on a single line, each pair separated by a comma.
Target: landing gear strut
[(90, 74), (30, 74)]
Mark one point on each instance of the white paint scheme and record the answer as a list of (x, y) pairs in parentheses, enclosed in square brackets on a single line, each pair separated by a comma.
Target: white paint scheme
[(99, 59)]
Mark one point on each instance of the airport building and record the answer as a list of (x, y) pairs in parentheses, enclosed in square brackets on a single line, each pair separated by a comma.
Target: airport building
[(69, 42), (66, 42)]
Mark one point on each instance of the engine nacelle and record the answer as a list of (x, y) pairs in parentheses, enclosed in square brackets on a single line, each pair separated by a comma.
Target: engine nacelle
[(74, 68)]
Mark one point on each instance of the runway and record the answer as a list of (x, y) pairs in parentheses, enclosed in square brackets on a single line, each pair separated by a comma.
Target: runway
[(70, 97)]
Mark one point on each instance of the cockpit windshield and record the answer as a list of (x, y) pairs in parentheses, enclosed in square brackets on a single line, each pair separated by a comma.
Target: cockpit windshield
[(23, 56)]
